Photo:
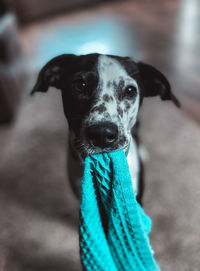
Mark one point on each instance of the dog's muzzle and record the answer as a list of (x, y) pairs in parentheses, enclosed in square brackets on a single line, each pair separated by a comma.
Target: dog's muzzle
[(102, 135)]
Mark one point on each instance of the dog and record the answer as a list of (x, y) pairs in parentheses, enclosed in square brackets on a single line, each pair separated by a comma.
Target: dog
[(101, 97)]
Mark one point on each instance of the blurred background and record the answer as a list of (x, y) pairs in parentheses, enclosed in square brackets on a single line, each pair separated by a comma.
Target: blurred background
[(38, 212)]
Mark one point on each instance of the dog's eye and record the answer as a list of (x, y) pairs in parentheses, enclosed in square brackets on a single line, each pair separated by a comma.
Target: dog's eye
[(130, 91), (79, 85)]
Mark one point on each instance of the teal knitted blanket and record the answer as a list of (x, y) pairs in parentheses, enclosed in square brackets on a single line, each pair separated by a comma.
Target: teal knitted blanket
[(113, 230)]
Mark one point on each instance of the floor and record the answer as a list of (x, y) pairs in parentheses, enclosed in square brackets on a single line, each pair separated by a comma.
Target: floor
[(38, 225)]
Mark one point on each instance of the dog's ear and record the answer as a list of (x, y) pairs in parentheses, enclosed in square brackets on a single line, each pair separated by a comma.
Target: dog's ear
[(155, 83), (53, 73)]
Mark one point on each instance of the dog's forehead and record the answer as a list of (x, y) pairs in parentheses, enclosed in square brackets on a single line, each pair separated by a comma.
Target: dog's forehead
[(112, 79), (110, 69)]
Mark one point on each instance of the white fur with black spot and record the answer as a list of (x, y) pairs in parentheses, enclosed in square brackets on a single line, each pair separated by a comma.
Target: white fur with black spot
[(110, 73)]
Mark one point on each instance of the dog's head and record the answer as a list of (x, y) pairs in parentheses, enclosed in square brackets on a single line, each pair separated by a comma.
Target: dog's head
[(101, 96)]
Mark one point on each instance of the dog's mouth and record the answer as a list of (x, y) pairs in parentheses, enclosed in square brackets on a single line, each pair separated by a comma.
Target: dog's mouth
[(84, 148), (83, 145)]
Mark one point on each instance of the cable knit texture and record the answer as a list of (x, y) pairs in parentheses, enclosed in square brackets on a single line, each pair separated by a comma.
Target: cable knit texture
[(113, 226)]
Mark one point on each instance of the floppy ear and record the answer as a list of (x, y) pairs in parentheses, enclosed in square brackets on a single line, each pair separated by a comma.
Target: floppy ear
[(53, 73), (155, 83)]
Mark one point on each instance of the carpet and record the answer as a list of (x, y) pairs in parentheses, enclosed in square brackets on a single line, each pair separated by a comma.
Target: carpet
[(39, 213)]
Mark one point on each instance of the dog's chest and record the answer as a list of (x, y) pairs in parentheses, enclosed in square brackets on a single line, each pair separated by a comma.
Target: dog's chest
[(134, 165)]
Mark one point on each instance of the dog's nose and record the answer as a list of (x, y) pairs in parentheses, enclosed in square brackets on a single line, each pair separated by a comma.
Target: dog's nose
[(102, 135)]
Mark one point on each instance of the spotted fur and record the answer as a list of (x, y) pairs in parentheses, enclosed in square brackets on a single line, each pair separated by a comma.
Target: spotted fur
[(113, 79)]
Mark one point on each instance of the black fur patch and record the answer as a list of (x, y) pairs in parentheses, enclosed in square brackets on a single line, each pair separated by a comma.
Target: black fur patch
[(127, 106), (120, 111), (100, 108), (114, 84), (121, 84), (106, 115), (107, 98), (119, 89)]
